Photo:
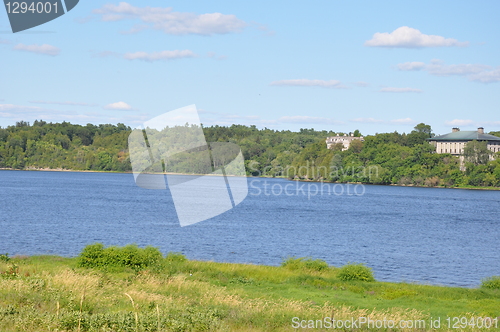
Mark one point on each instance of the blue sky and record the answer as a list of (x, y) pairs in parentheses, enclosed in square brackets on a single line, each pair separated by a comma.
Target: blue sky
[(334, 65)]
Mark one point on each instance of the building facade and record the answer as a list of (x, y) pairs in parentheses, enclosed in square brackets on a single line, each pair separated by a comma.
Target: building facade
[(344, 140), (455, 141)]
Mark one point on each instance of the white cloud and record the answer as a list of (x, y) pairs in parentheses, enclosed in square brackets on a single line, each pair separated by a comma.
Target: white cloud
[(170, 22), (20, 112), (411, 38), (39, 49), (400, 90), (122, 106), (459, 122), (69, 103), (307, 119), (408, 121), (405, 121), (474, 72), (246, 117), (361, 84), (487, 76), (306, 82), (367, 120), (225, 119), (30, 113), (19, 108), (437, 67), (490, 123), (264, 28), (215, 56), (5, 41), (407, 66), (156, 56)]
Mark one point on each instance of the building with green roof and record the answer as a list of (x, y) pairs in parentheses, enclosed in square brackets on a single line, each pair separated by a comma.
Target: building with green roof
[(455, 141)]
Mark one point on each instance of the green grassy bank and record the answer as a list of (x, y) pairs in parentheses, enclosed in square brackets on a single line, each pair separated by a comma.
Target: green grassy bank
[(133, 289)]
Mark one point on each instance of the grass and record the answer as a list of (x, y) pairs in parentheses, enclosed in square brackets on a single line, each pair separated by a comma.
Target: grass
[(50, 293), (491, 282)]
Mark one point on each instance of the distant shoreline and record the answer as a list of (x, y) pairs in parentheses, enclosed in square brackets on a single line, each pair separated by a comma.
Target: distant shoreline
[(93, 171), (63, 170), (265, 177)]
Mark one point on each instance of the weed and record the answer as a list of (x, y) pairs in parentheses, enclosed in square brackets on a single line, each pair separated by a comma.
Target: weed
[(304, 263), (175, 257), (11, 273), (217, 297), (491, 282)]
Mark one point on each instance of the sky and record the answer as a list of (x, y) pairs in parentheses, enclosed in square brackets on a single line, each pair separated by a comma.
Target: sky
[(328, 65)]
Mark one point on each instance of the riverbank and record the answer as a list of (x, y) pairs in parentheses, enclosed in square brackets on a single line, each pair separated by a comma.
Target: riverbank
[(49, 293), (35, 169), (265, 177)]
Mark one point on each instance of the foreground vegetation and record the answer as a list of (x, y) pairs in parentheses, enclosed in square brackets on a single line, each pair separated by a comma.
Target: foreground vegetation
[(133, 289), (387, 158)]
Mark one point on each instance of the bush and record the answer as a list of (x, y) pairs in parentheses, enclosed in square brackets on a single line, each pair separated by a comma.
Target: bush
[(4, 258), (305, 263), (175, 257), (95, 255), (352, 272), (491, 282)]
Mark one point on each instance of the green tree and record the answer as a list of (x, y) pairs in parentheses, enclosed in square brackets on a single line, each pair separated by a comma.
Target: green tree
[(356, 146), (476, 152), (423, 128)]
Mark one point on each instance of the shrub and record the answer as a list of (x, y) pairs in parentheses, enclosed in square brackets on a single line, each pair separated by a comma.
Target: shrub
[(175, 257), (352, 272), (95, 255), (11, 273), (491, 282), (304, 263), (4, 257)]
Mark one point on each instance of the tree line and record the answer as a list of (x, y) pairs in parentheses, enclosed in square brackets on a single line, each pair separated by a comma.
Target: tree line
[(385, 158)]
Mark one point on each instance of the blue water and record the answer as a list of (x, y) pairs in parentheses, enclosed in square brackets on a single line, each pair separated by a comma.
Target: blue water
[(425, 235)]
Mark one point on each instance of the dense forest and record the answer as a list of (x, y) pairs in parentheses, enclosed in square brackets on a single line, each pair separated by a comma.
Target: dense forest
[(387, 158)]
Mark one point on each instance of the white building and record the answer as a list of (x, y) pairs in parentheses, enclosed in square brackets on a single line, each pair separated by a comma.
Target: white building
[(455, 141), (344, 140)]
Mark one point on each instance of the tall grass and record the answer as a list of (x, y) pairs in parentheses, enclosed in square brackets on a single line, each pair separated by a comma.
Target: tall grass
[(305, 263), (176, 294), (491, 282)]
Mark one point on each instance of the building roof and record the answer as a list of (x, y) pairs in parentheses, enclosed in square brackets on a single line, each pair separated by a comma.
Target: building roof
[(465, 136), (349, 138)]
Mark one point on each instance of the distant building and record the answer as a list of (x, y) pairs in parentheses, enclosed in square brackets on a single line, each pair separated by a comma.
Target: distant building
[(344, 140), (455, 141)]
